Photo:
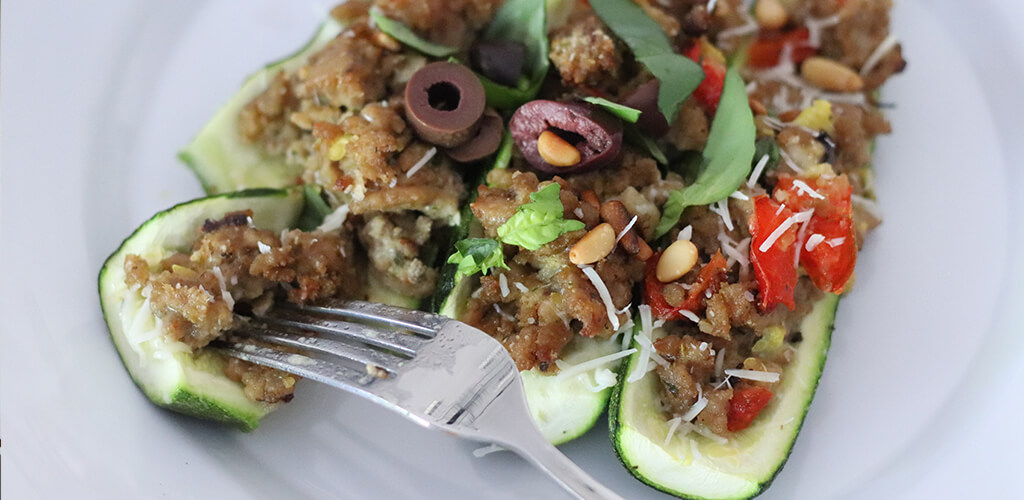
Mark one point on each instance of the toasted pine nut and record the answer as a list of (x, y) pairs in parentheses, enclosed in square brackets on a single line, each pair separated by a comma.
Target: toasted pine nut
[(770, 14), (385, 41), (593, 246), (557, 151), (830, 75), (677, 260)]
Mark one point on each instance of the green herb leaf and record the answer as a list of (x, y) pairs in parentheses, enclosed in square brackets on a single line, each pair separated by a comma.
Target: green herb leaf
[(767, 146), (538, 222), (504, 155), (625, 113), (523, 21), (727, 155), (475, 255), (315, 208), (403, 34), (678, 75), (638, 138)]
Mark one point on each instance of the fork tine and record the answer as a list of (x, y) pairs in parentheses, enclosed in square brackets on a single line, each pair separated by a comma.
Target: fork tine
[(400, 342), (358, 353), (396, 317), (326, 372)]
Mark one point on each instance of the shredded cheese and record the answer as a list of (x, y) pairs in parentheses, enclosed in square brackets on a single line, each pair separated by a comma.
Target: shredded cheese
[(814, 241), (503, 285), (627, 333), (263, 247), (816, 25), (334, 220), (626, 229), (739, 195), (690, 315), (779, 231), (606, 296), (579, 212), (603, 379), (880, 51), (756, 174), (566, 370), (521, 287), (423, 161), (719, 361), (789, 161), (673, 424), (800, 239), (755, 375), (503, 314), (802, 187), (702, 402), (645, 331), (224, 293), (834, 242), (686, 233), (721, 207)]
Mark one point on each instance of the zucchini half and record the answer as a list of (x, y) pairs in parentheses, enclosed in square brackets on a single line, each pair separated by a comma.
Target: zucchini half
[(696, 467), (564, 408), (221, 159), (166, 370)]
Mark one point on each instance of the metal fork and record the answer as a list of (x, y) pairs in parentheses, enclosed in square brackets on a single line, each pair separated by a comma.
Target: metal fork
[(436, 371)]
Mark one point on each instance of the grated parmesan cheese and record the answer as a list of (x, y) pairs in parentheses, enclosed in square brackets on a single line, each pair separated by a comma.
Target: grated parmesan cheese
[(690, 315), (686, 233), (567, 370), (673, 424), (263, 247), (721, 207), (422, 161), (603, 379), (789, 161), (755, 375), (779, 231), (521, 287), (834, 242), (626, 229), (224, 293), (645, 331), (800, 239), (802, 187), (757, 171), (606, 296), (816, 25), (739, 196), (333, 221), (876, 55), (503, 285), (814, 241)]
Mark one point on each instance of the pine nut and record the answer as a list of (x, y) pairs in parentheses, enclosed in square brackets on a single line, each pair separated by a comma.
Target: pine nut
[(593, 246), (557, 151), (677, 260), (770, 14), (830, 75)]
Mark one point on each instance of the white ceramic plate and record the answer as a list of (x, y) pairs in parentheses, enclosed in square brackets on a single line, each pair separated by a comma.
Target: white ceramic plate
[(925, 364)]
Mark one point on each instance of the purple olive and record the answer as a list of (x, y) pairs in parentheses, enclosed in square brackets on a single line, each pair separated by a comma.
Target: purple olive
[(499, 60), (596, 135), (645, 99), (444, 102), (485, 142)]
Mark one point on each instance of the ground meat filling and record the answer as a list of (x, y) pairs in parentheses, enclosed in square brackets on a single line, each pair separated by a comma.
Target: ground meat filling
[(545, 300), (194, 294)]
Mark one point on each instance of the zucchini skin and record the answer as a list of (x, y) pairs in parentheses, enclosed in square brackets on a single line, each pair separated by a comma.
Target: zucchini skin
[(619, 425)]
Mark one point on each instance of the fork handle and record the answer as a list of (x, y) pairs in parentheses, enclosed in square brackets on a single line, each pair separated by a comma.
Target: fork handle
[(563, 470)]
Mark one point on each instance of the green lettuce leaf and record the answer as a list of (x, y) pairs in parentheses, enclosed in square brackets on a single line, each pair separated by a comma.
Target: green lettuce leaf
[(474, 255), (727, 155), (403, 34), (538, 222)]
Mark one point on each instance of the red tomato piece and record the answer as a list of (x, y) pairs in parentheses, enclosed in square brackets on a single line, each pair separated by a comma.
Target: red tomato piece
[(709, 92), (745, 405), (775, 268), (766, 50), (710, 277)]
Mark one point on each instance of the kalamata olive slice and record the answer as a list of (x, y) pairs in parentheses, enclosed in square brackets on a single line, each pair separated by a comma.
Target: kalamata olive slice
[(595, 134), (444, 101), (499, 60), (485, 142), (645, 99)]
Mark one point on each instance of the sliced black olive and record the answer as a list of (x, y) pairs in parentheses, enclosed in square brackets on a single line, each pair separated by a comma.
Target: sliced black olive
[(443, 102), (499, 60), (830, 148), (595, 134), (645, 98), (484, 143)]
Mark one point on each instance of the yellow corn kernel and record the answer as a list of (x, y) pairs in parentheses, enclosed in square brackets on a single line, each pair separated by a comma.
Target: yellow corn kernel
[(817, 116), (337, 150)]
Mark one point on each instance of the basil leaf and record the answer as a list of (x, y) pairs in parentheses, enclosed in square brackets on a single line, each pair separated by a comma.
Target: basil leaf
[(767, 146), (625, 113), (523, 21), (727, 155), (638, 138), (474, 255), (403, 34), (538, 222), (678, 75), (315, 208)]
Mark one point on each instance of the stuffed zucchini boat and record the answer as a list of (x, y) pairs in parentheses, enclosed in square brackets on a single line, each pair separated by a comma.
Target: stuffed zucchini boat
[(146, 280)]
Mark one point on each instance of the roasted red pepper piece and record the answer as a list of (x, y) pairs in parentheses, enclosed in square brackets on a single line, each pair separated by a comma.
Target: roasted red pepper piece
[(775, 268), (710, 277), (709, 91), (745, 405), (766, 50), (830, 264)]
